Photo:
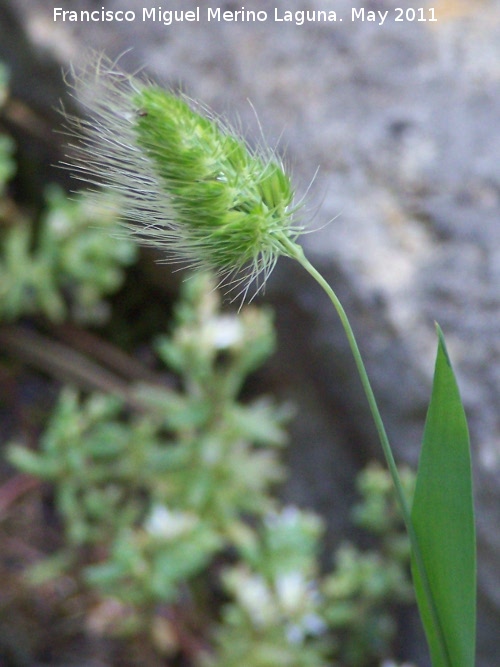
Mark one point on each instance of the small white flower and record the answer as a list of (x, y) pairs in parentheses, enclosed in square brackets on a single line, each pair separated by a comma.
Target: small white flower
[(291, 589), (253, 595), (169, 524), (225, 332)]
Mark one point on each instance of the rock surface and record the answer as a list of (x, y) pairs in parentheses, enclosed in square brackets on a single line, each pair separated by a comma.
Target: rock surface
[(403, 120)]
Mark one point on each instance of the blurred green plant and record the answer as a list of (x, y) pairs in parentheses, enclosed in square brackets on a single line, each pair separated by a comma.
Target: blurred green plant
[(366, 586), (275, 616), (160, 503), (163, 487), (63, 264)]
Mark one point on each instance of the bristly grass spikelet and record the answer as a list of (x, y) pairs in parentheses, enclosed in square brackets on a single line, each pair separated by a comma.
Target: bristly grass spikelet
[(189, 183)]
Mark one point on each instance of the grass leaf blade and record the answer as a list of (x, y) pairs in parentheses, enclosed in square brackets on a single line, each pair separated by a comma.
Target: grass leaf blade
[(443, 520)]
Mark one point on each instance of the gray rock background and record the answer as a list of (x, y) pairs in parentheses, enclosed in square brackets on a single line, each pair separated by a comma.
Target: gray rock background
[(403, 121)]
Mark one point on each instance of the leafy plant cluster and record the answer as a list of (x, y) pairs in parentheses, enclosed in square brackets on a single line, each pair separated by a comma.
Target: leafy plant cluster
[(171, 528), (173, 500), (65, 264)]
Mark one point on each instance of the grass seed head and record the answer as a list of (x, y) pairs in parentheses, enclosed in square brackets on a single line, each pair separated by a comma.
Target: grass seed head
[(188, 182)]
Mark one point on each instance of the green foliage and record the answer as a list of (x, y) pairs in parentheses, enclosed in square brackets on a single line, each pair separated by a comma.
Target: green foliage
[(447, 595), (154, 498), (164, 486), (67, 265), (284, 612), (275, 616), (62, 264), (97, 463), (364, 585), (149, 565)]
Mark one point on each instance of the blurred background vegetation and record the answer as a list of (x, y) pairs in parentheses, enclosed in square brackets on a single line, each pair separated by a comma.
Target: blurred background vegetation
[(140, 512)]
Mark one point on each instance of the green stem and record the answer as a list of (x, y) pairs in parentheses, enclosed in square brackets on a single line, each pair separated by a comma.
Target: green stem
[(295, 251)]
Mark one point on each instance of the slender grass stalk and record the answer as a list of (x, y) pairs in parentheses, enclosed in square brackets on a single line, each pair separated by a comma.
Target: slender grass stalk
[(294, 251)]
